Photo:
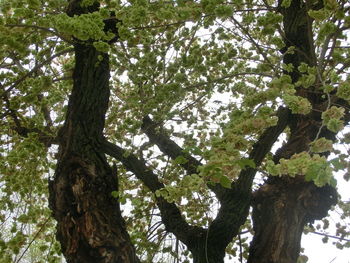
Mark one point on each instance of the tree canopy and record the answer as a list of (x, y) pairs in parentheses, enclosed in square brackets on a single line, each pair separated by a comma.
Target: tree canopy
[(171, 131)]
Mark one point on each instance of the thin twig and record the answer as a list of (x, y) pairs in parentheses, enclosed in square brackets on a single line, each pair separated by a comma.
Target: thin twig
[(240, 249), (33, 239), (330, 236), (41, 28), (21, 79), (261, 52)]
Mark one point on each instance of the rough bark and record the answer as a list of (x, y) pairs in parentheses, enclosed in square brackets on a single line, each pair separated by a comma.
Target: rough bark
[(283, 206), (204, 246), (208, 245), (89, 223), (90, 227), (280, 212), (171, 216)]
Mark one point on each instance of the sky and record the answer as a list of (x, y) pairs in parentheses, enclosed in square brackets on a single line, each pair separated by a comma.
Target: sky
[(315, 249), (318, 252)]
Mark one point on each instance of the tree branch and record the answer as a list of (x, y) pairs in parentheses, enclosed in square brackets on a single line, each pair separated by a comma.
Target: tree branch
[(171, 216), (330, 236), (52, 31), (167, 146), (173, 150), (29, 73), (262, 147), (44, 138), (235, 202)]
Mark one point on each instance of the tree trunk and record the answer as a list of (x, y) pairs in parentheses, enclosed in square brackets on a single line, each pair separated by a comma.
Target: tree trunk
[(90, 227), (205, 249), (280, 212), (284, 205), (203, 256)]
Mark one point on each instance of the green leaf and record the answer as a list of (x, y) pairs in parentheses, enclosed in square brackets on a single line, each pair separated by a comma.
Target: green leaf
[(335, 125), (337, 164), (332, 118), (320, 173), (225, 181), (331, 4), (302, 259), (180, 160), (318, 15), (286, 3), (223, 11), (321, 145), (244, 163), (297, 104), (115, 194), (101, 46), (333, 182), (343, 91)]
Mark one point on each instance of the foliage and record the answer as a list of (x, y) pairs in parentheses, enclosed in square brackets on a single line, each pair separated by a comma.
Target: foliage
[(210, 74)]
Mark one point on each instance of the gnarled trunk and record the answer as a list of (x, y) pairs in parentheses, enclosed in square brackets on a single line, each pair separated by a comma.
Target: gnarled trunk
[(90, 227), (283, 206), (205, 253), (280, 212)]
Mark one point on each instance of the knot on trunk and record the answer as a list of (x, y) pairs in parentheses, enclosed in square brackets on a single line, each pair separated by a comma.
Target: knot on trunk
[(318, 200)]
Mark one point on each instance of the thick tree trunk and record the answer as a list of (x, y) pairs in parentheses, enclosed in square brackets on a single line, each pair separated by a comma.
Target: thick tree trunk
[(283, 206), (90, 227), (206, 254), (280, 212)]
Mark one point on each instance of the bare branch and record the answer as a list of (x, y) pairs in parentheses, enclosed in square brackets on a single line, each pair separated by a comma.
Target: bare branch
[(167, 146), (34, 238), (171, 216), (330, 236), (235, 202), (44, 138), (29, 73), (51, 31)]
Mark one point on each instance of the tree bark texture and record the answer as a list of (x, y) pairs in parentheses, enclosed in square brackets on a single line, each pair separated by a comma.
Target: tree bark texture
[(284, 205), (280, 212), (206, 245), (90, 227), (89, 223)]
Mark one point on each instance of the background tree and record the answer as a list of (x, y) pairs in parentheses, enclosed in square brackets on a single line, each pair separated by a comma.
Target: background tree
[(177, 110)]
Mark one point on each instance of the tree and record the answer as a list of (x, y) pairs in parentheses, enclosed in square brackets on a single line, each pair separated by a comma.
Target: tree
[(172, 109)]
